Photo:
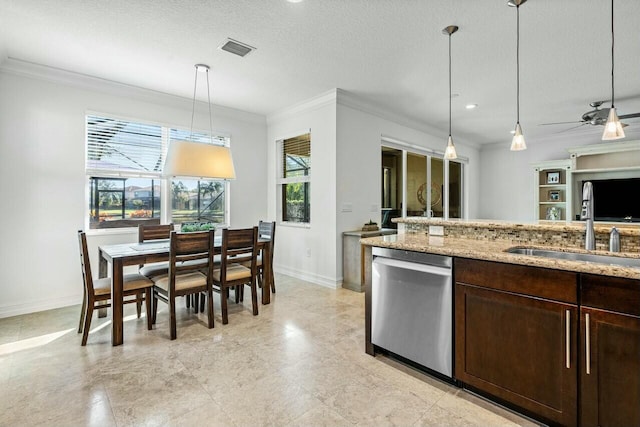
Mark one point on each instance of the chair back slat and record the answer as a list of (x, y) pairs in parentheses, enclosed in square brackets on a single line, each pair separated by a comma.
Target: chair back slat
[(197, 246), (85, 264), (239, 244), (154, 232)]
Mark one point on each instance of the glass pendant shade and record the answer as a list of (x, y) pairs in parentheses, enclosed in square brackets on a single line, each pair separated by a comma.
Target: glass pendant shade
[(613, 129), (450, 151), (518, 143)]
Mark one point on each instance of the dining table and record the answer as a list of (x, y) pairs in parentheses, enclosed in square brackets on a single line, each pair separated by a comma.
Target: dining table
[(125, 254)]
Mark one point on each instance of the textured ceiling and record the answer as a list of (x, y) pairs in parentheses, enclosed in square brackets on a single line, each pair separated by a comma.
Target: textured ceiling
[(389, 52)]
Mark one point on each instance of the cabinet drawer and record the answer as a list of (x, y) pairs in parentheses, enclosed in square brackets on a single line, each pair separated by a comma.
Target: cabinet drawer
[(535, 281), (611, 293)]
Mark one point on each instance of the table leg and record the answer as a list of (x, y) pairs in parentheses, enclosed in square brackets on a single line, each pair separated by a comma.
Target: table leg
[(266, 281), (102, 272), (116, 302)]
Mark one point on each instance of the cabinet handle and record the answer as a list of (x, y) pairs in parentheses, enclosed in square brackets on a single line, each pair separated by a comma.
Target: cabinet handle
[(587, 343), (568, 339)]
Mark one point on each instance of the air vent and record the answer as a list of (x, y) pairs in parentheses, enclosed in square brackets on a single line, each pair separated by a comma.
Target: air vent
[(237, 48)]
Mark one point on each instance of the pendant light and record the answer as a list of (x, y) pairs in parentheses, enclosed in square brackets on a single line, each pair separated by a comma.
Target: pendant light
[(613, 128), (450, 151), (197, 159), (517, 143)]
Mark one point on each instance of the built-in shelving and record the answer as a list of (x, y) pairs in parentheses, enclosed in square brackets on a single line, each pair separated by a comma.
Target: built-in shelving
[(552, 192)]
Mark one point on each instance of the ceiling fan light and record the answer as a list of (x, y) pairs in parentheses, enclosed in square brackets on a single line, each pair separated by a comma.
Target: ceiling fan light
[(518, 143), (613, 128), (450, 151)]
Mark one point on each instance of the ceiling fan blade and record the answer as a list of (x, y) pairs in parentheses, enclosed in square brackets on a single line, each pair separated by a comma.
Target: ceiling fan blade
[(560, 123), (573, 127), (629, 116)]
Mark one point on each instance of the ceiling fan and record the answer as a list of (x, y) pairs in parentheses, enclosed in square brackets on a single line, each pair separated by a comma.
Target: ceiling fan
[(597, 117)]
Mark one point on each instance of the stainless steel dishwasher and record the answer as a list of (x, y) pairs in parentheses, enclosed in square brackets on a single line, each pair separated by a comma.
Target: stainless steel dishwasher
[(411, 307)]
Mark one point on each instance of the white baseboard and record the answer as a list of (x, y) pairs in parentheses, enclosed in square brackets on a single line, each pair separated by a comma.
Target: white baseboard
[(316, 279), (42, 305)]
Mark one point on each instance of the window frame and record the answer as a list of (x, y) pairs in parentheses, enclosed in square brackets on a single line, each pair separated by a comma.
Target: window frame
[(165, 208), (282, 182), (407, 148)]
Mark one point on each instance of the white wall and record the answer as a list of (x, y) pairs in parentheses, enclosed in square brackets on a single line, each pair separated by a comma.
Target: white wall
[(42, 157), (308, 252), (507, 178), (359, 163), (346, 168)]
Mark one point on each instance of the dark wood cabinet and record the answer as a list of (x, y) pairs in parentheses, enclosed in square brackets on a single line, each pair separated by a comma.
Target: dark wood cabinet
[(610, 352), (521, 349)]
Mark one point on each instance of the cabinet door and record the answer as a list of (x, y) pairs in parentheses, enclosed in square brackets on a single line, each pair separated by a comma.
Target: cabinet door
[(610, 369), (519, 349)]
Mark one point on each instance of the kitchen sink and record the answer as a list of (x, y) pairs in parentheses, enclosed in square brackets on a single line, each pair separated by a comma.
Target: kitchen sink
[(577, 256)]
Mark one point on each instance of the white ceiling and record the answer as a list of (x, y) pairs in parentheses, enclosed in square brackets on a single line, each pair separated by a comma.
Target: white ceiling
[(388, 52)]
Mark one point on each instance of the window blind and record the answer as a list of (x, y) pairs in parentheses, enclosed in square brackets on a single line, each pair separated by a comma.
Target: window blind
[(294, 159), (117, 146)]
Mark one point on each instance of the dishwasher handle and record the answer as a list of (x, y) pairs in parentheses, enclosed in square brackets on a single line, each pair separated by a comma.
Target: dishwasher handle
[(424, 268)]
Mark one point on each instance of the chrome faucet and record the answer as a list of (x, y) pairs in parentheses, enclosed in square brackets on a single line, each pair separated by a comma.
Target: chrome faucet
[(587, 215)]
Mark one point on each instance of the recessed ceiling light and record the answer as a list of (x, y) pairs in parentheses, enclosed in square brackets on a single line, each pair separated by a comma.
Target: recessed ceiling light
[(294, 1), (470, 106)]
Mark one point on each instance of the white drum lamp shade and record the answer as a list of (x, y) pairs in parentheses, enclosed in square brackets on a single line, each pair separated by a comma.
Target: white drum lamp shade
[(201, 160)]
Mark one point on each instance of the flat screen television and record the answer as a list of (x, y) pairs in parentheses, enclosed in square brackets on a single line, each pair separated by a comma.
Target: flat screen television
[(616, 200)]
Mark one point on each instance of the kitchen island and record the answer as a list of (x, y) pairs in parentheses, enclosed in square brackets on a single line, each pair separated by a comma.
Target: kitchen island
[(556, 339)]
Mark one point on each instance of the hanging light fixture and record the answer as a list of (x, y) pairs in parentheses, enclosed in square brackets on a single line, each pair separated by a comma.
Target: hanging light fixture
[(517, 143), (197, 159), (450, 151), (613, 127)]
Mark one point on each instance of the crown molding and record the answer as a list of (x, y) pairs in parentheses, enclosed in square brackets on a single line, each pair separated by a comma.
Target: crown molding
[(319, 101), (33, 70), (351, 100)]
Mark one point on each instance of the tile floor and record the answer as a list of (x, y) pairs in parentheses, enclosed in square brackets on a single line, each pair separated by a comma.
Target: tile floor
[(301, 362)]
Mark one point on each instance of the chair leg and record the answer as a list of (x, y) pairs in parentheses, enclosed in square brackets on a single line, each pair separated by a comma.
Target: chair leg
[(83, 311), (155, 307), (172, 318), (210, 307), (236, 292), (272, 279), (148, 300), (224, 294), (187, 300), (202, 298), (196, 301), (139, 304), (254, 296), (87, 322)]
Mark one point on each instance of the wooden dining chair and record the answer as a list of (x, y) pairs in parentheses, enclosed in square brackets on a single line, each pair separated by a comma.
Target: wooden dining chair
[(189, 253), (154, 232), (97, 293), (237, 244), (266, 231)]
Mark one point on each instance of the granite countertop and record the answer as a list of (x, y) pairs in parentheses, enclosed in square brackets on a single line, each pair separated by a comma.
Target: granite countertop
[(625, 229), (495, 251)]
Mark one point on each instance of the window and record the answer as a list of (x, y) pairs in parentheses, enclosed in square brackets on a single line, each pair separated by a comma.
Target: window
[(294, 178), (124, 170), (418, 182), (195, 200)]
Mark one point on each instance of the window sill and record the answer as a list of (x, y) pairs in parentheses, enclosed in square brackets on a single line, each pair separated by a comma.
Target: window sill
[(295, 224), (111, 231)]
